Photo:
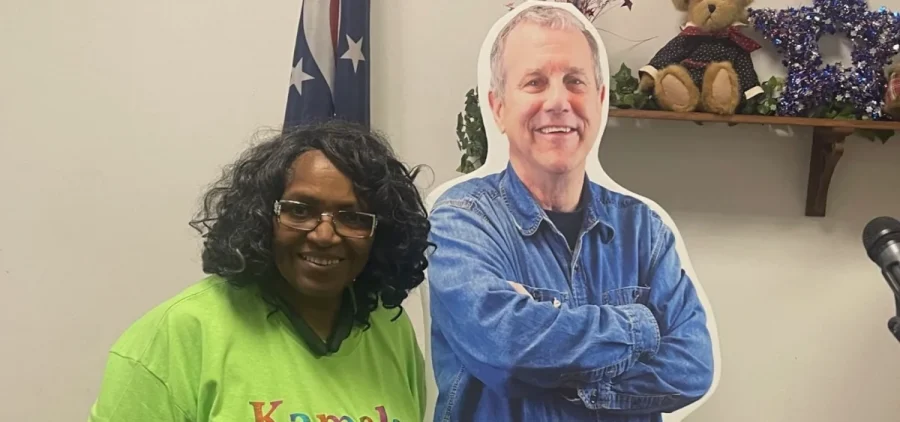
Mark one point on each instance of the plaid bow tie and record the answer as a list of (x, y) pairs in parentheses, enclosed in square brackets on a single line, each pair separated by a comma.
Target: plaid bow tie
[(732, 33)]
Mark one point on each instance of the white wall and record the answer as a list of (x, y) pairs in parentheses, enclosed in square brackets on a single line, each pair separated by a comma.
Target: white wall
[(114, 115), (801, 311)]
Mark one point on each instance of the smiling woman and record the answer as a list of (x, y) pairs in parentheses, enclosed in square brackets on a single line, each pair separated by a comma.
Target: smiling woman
[(313, 240)]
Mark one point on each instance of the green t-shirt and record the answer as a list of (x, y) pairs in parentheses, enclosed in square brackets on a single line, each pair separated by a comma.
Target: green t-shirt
[(218, 353)]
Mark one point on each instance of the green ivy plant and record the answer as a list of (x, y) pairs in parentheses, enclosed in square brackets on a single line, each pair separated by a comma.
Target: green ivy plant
[(767, 103), (470, 136), (845, 111), (623, 92)]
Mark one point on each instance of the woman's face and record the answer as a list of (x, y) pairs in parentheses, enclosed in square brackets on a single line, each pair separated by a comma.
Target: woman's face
[(319, 263)]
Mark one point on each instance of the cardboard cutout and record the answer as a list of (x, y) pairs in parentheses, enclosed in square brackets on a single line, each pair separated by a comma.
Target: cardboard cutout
[(456, 281)]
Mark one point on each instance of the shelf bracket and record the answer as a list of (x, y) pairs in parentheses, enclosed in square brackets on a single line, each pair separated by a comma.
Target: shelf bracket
[(827, 149)]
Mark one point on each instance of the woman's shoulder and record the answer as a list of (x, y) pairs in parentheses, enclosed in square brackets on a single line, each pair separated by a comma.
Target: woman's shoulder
[(184, 317), (395, 325), (391, 319)]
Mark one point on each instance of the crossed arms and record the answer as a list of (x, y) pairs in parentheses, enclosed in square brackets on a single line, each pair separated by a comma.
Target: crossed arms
[(624, 357)]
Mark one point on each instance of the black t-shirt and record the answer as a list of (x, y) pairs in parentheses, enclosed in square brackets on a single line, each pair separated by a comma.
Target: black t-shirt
[(568, 223), (343, 323)]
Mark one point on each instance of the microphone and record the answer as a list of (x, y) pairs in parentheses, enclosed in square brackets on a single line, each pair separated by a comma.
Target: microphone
[(881, 238)]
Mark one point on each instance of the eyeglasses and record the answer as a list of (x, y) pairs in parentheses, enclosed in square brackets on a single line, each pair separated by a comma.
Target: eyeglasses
[(300, 216)]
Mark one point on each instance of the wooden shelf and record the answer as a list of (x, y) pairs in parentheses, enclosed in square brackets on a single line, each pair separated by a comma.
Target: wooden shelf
[(826, 150), (753, 119)]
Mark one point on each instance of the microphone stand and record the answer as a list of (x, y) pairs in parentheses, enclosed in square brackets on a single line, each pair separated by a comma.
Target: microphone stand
[(892, 276), (894, 322)]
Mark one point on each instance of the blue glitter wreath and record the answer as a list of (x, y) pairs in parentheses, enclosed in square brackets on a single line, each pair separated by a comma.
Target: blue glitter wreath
[(795, 33)]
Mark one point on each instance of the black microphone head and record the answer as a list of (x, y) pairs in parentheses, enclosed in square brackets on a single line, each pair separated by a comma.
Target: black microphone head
[(878, 233)]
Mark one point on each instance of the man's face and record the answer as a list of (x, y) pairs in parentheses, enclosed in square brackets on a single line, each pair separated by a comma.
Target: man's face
[(551, 106)]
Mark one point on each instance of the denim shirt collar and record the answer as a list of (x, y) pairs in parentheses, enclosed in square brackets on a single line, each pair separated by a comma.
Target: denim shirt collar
[(528, 215)]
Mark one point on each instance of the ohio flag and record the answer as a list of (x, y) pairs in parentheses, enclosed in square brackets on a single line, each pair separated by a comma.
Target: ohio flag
[(330, 75)]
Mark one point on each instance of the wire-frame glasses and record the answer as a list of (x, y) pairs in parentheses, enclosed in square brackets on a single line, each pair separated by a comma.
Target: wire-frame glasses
[(301, 216)]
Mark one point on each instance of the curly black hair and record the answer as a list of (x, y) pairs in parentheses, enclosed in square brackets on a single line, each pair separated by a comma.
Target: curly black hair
[(236, 216)]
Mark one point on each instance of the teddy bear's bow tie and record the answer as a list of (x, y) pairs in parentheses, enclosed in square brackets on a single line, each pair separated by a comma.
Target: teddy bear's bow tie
[(732, 33)]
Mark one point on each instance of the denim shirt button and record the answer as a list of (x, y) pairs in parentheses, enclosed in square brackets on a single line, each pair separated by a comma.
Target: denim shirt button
[(556, 303)]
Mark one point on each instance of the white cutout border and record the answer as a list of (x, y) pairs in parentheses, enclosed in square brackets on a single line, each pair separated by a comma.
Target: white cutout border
[(496, 161)]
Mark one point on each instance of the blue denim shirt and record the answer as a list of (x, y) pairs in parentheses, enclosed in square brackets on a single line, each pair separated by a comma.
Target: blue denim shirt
[(614, 330)]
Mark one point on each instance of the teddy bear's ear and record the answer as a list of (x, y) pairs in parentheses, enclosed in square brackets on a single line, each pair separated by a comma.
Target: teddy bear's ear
[(681, 5)]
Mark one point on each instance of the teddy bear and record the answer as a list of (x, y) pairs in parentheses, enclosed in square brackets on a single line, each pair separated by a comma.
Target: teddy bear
[(707, 66), (892, 91)]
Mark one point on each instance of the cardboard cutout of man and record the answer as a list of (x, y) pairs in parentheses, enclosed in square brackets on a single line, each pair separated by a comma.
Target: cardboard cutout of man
[(551, 297)]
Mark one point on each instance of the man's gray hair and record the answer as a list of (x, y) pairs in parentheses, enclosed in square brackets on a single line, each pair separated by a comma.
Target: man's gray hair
[(547, 17)]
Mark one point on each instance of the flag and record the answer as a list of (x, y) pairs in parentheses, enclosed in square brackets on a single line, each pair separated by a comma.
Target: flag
[(330, 72)]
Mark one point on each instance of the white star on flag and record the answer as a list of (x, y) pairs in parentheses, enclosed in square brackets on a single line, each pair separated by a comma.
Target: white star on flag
[(298, 76), (354, 52), (332, 79)]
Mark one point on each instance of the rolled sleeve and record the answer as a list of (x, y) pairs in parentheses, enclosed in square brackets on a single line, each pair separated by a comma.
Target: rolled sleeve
[(644, 329), (680, 369)]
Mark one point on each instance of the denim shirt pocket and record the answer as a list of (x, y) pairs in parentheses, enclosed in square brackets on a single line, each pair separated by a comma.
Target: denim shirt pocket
[(626, 296), (555, 297)]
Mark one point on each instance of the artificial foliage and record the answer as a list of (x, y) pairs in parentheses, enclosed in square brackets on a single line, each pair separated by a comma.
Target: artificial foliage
[(766, 104), (470, 136), (816, 90), (624, 93)]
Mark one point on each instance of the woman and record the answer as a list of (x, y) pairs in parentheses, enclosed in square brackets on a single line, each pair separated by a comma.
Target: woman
[(312, 242)]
